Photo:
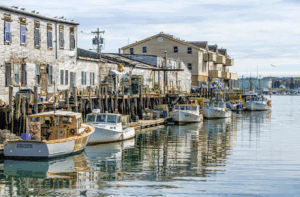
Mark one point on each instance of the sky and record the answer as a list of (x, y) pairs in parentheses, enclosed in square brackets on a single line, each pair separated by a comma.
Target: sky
[(256, 33)]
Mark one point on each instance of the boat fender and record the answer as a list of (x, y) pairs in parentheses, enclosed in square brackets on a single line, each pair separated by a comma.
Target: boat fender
[(72, 131)]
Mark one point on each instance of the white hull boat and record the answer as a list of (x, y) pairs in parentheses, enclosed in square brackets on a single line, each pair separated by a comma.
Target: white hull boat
[(216, 113), (185, 117), (59, 134), (215, 109), (257, 106), (108, 128), (102, 135), (186, 114)]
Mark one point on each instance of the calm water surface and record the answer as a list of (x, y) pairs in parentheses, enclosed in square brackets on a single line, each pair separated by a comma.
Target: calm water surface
[(250, 154)]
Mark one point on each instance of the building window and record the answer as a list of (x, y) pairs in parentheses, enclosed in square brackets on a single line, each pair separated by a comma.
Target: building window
[(16, 73), (73, 79), (83, 78), (204, 68), (37, 74), (24, 75), (189, 65), (144, 50), (49, 40), (66, 77), (61, 37), (23, 34), (7, 74), (72, 38), (61, 77), (131, 51), (175, 49), (36, 37), (92, 78), (189, 50), (7, 32), (50, 75)]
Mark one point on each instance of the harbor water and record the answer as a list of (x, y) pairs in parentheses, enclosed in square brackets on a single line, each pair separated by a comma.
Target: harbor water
[(250, 154)]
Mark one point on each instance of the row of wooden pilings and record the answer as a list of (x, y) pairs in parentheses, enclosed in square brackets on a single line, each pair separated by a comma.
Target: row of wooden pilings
[(14, 116)]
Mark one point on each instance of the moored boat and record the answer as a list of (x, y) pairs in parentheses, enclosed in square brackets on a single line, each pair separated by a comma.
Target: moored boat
[(215, 109), (257, 103), (186, 113), (108, 128), (51, 134)]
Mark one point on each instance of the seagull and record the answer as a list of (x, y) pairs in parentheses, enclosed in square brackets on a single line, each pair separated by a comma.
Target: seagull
[(273, 65)]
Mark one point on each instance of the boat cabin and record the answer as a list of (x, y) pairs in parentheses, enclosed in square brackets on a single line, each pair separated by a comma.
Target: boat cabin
[(186, 108), (55, 125), (103, 118), (214, 104), (256, 98)]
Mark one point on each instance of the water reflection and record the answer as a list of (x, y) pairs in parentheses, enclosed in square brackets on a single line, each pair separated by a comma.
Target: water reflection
[(186, 152)]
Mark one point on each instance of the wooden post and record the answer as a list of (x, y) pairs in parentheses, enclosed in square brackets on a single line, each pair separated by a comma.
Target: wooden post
[(75, 99), (123, 101), (116, 100), (35, 106), (18, 106), (128, 104), (141, 102), (90, 99), (67, 99), (24, 114), (111, 100), (11, 107), (106, 101), (99, 97)]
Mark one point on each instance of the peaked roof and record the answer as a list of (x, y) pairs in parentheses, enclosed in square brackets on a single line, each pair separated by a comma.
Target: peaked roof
[(201, 44), (161, 34), (213, 48), (223, 52)]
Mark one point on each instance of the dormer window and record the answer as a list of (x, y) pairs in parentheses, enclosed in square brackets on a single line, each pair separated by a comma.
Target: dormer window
[(189, 50), (144, 50), (131, 50)]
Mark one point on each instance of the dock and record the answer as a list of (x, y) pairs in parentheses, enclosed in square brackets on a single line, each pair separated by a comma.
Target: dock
[(146, 123)]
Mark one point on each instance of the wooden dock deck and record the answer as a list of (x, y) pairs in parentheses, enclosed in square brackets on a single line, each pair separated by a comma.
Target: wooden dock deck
[(146, 123)]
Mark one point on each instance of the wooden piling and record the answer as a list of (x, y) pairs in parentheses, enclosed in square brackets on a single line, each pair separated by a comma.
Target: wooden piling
[(116, 100), (99, 98), (123, 101), (67, 99), (24, 114), (35, 106), (106, 100), (75, 99), (11, 107)]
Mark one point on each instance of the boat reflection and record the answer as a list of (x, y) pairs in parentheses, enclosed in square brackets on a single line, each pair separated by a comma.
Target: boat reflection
[(46, 168)]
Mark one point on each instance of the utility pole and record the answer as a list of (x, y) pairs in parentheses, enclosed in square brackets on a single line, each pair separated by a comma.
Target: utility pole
[(99, 43)]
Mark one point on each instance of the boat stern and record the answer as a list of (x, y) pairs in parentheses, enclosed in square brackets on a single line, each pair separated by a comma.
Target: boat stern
[(25, 149)]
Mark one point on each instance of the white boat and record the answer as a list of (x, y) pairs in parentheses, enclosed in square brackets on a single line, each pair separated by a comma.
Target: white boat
[(108, 128), (215, 109), (257, 103), (186, 113), (51, 134)]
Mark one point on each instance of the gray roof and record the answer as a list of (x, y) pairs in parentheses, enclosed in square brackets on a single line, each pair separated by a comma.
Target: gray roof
[(223, 51), (213, 48), (200, 44), (19, 11)]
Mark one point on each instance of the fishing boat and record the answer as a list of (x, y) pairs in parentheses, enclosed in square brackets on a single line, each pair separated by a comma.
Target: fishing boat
[(186, 113), (108, 128), (257, 102), (235, 106), (51, 134), (215, 109)]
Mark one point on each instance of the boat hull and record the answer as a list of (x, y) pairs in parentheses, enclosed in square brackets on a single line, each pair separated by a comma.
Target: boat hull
[(215, 113), (254, 106), (30, 149), (102, 135), (185, 117)]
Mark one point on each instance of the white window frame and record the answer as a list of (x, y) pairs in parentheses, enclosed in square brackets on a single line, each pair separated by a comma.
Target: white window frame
[(61, 39), (175, 49), (16, 74), (66, 77), (50, 39), (37, 44), (38, 74), (62, 77), (83, 77), (5, 32)]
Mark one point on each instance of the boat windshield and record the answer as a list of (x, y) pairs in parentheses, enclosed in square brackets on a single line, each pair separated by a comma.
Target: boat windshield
[(90, 118), (101, 118), (111, 119), (176, 107)]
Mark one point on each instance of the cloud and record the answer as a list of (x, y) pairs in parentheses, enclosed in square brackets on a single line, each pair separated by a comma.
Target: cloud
[(255, 33)]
